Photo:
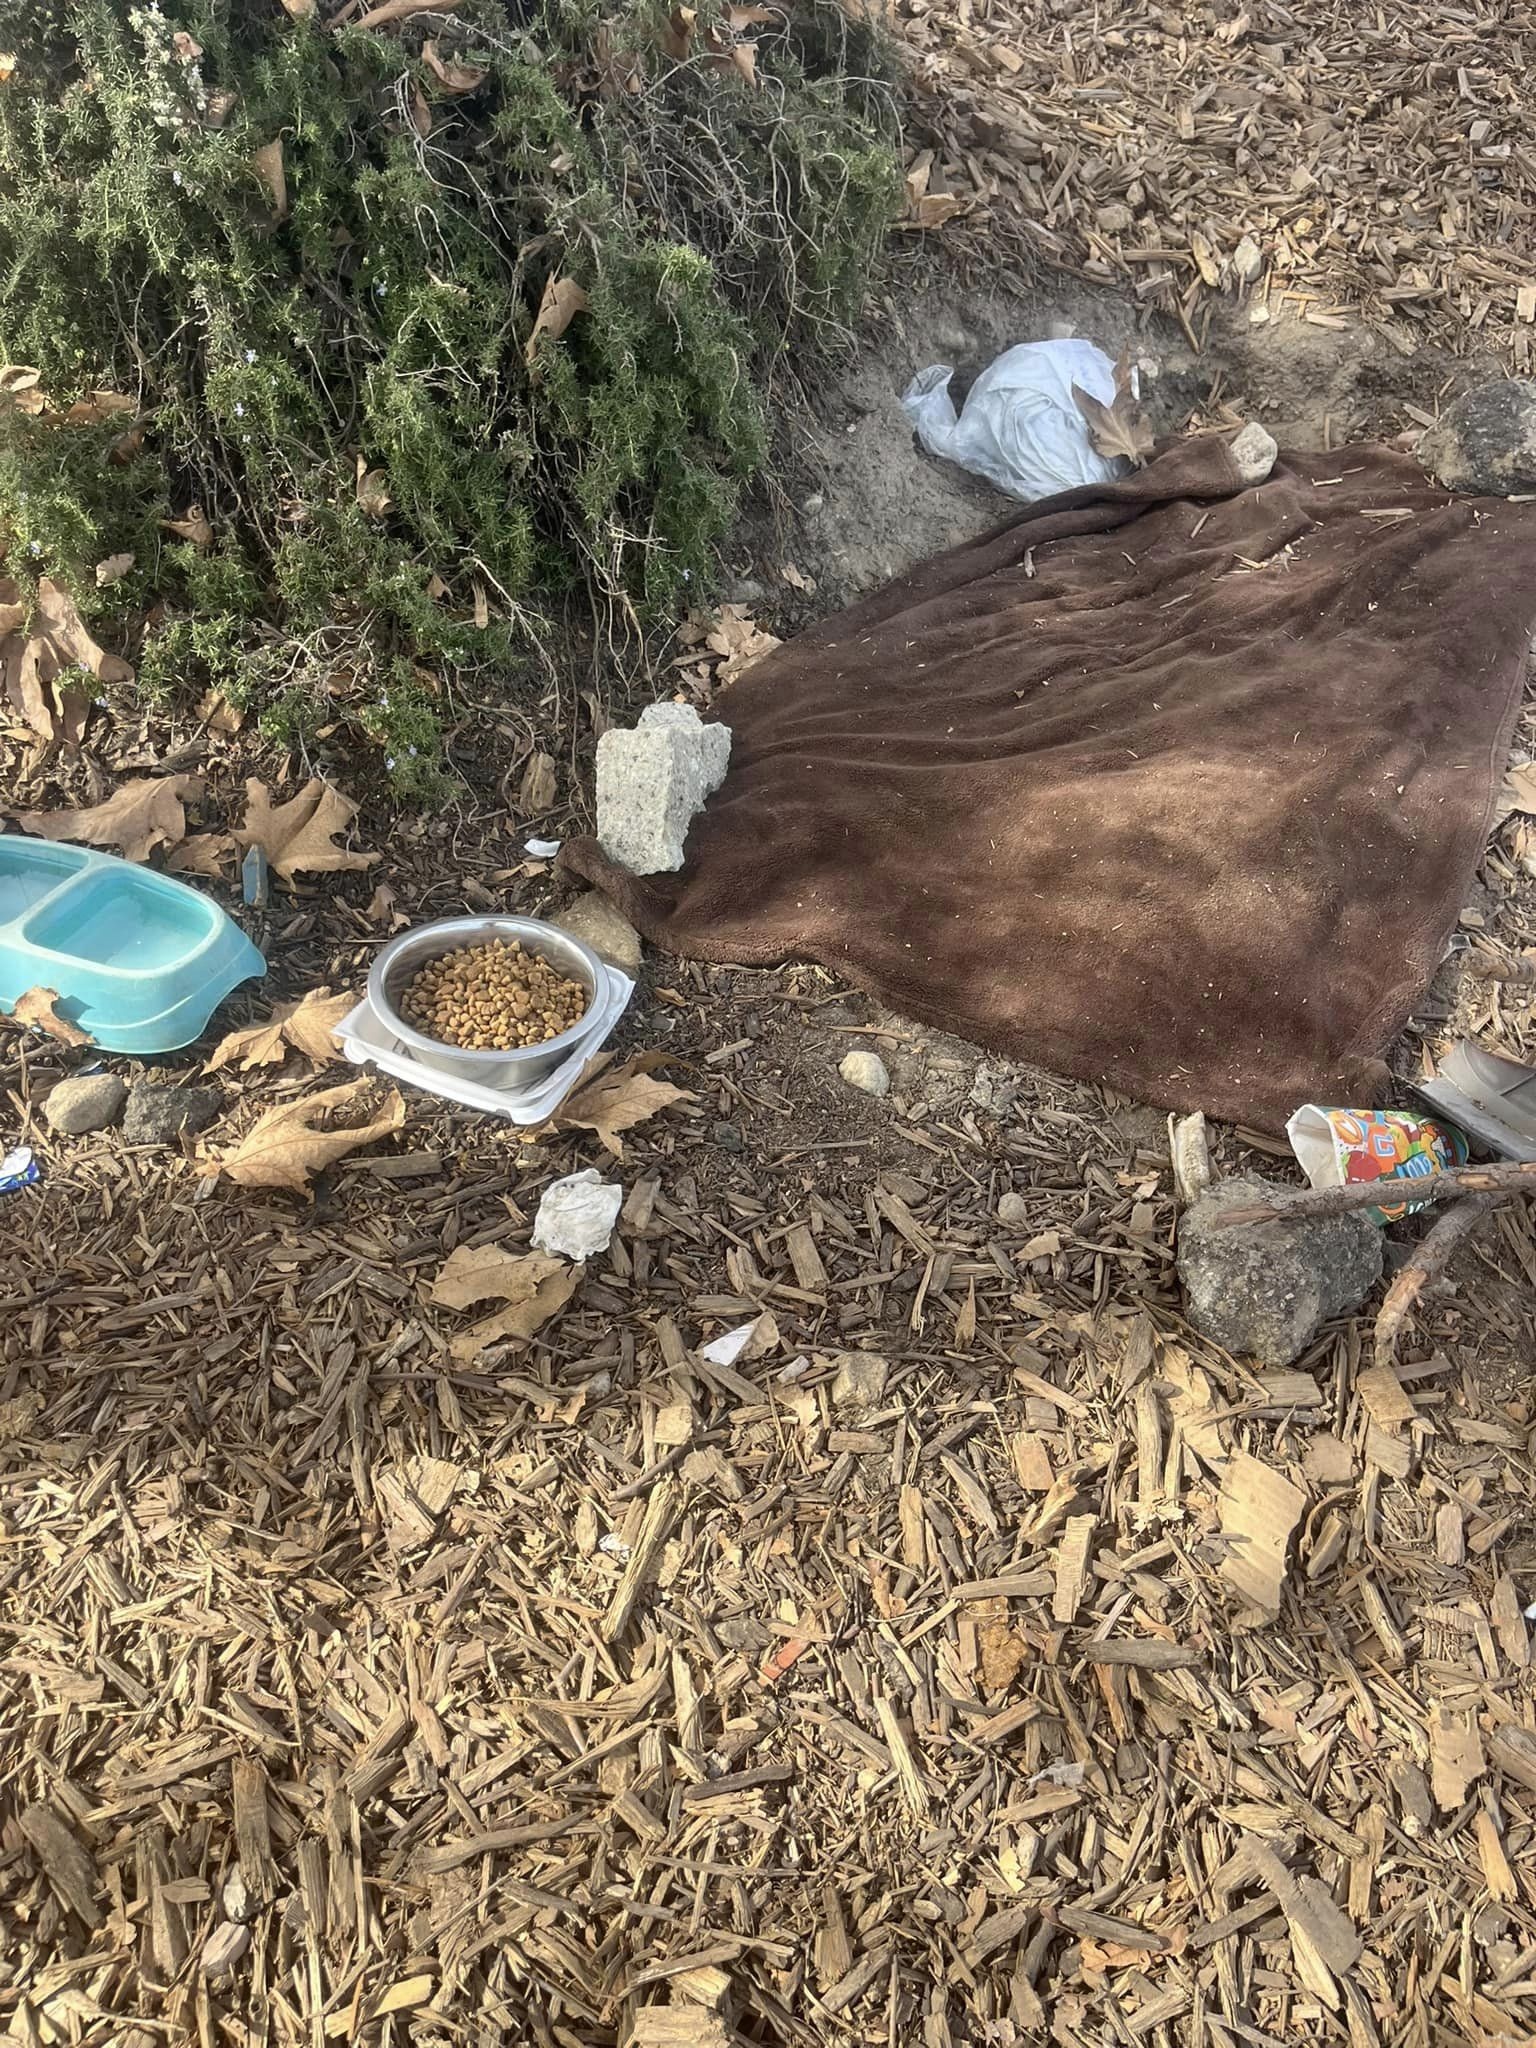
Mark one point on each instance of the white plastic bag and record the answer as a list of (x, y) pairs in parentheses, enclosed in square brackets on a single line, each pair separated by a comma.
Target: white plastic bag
[(1019, 427)]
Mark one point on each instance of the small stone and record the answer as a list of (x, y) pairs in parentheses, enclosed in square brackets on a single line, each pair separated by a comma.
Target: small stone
[(1059, 329), (1115, 219), (652, 781), (1253, 449), (813, 504), (158, 1113), (1486, 441), (1259, 316), (866, 1071), (1013, 1211), (86, 1102), (859, 1380), (1264, 1290), (224, 1948), (1248, 260), (727, 1137), (594, 920)]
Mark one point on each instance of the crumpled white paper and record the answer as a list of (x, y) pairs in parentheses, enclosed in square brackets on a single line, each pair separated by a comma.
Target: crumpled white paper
[(576, 1215)]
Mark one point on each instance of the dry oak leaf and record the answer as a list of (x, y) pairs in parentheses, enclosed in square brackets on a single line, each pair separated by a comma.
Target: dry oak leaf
[(298, 834), (36, 1007), (193, 526), (34, 667), (608, 1103), (450, 74), (537, 790), (267, 163), (1120, 428), (283, 1147), (200, 853), (113, 570), (741, 640), (533, 1285), (136, 818), (372, 490), (308, 1025), (563, 299)]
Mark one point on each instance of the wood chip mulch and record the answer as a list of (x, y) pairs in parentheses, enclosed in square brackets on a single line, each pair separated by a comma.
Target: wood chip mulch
[(978, 1658), (1329, 163)]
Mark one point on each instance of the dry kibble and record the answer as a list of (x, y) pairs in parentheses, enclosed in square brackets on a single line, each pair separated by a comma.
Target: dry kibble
[(492, 998)]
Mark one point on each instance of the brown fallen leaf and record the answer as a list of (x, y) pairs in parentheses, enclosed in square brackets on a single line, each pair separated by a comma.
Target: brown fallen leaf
[(98, 407), (201, 853), (308, 1026), (563, 299), (301, 10), (381, 909), (616, 1100), (533, 1285), (113, 570), (35, 668), (283, 1147), (298, 834), (216, 712), (741, 640), (450, 74), (18, 377), (193, 526), (267, 163), (372, 490), (36, 1007), (421, 112), (399, 10), (1121, 429), (537, 789), (135, 819), (677, 33)]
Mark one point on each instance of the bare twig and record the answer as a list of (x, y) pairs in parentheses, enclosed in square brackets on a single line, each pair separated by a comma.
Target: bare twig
[(1431, 1257), (1505, 1177)]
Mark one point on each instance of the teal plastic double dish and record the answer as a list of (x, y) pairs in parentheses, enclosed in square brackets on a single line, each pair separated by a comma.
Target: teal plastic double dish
[(138, 960)]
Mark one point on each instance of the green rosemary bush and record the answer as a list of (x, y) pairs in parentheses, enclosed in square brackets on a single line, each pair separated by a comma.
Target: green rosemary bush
[(315, 259)]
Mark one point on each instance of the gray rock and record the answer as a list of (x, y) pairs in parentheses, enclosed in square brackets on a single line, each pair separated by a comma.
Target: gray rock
[(1264, 1290), (1253, 449), (859, 1380), (652, 781), (865, 1071), (158, 1112), (1012, 1211), (1486, 441), (86, 1102), (1248, 260), (606, 930)]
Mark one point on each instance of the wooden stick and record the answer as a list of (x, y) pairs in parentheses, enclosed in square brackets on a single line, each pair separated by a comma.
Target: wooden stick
[(1504, 1177), (1489, 967), (1431, 1257)]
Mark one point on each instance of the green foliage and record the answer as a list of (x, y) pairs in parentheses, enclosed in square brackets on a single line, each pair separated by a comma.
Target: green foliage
[(383, 321)]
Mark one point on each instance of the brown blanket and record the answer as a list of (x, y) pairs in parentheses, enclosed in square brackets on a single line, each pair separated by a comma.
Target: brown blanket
[(1169, 784)]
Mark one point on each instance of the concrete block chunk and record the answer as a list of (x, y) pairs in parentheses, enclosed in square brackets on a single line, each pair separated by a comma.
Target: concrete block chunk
[(653, 781)]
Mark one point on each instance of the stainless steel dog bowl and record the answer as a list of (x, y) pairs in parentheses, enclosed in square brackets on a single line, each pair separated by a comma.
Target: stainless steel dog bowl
[(396, 966)]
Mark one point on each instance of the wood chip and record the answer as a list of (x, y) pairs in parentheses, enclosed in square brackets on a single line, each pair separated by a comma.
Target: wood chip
[(1259, 1512)]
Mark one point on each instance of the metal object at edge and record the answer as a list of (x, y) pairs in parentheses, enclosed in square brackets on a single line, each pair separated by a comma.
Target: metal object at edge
[(522, 1067)]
